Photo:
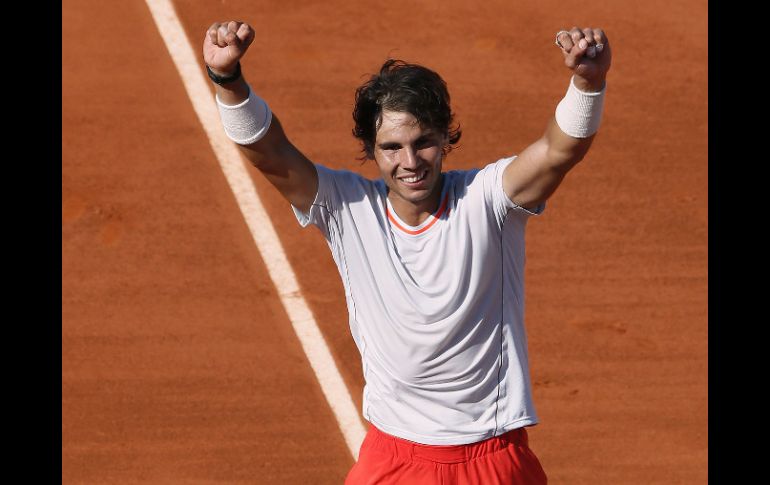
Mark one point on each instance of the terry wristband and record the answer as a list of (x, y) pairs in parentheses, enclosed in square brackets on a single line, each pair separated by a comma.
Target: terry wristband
[(579, 113), (245, 122)]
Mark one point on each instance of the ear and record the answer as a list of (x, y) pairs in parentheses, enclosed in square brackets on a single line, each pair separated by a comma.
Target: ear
[(445, 146)]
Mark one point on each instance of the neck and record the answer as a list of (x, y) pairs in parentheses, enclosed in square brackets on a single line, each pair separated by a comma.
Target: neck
[(415, 213)]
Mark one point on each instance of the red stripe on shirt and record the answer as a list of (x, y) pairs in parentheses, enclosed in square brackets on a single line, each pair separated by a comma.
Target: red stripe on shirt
[(435, 216)]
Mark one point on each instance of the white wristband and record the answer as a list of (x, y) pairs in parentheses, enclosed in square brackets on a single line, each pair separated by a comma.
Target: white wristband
[(579, 113), (245, 122)]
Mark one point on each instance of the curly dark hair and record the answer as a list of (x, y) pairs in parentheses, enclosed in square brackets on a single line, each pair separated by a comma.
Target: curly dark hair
[(404, 87)]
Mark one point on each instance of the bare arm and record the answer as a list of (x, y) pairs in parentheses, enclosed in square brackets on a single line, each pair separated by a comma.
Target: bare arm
[(540, 168), (274, 155)]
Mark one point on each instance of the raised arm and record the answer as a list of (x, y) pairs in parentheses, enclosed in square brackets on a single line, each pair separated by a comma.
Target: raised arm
[(249, 121), (539, 169)]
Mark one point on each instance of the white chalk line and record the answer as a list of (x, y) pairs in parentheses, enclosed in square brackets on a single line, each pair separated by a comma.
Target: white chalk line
[(262, 230)]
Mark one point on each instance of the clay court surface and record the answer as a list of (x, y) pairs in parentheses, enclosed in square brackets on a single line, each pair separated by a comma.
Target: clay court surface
[(179, 364)]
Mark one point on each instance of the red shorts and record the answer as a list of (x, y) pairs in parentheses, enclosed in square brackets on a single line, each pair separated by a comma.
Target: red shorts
[(504, 459)]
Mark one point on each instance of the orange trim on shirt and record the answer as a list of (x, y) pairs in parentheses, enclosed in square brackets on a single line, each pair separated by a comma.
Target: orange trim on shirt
[(435, 216)]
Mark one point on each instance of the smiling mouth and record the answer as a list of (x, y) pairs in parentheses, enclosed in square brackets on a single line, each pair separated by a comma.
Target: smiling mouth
[(415, 178)]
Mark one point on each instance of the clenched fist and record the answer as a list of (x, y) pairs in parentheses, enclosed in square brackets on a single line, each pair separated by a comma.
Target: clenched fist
[(224, 45), (587, 52)]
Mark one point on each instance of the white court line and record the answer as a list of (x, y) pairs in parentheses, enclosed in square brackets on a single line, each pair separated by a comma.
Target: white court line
[(259, 223)]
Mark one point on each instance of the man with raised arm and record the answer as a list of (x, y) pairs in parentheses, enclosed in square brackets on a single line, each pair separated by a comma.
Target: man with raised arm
[(432, 262)]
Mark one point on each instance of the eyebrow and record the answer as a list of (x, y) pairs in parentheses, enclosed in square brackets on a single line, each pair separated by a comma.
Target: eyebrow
[(393, 144)]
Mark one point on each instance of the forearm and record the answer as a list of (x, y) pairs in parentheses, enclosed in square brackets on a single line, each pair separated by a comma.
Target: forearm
[(249, 122), (571, 131), (541, 167), (563, 151)]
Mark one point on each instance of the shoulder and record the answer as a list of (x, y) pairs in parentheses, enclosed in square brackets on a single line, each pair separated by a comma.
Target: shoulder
[(346, 185), (342, 176), (497, 167), (484, 175)]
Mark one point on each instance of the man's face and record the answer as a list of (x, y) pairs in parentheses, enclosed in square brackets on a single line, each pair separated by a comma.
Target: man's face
[(409, 159)]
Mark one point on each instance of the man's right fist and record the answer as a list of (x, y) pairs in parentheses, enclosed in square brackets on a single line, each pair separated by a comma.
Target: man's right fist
[(224, 45)]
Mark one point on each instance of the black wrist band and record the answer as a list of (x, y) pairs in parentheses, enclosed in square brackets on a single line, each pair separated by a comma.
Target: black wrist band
[(225, 79)]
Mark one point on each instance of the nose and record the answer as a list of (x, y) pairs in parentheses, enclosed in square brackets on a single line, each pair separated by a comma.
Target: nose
[(409, 159)]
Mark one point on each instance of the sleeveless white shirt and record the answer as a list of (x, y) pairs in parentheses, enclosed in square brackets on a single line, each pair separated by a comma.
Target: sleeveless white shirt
[(437, 310)]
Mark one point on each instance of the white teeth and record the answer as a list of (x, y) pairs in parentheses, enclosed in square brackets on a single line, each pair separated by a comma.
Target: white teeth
[(416, 178)]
